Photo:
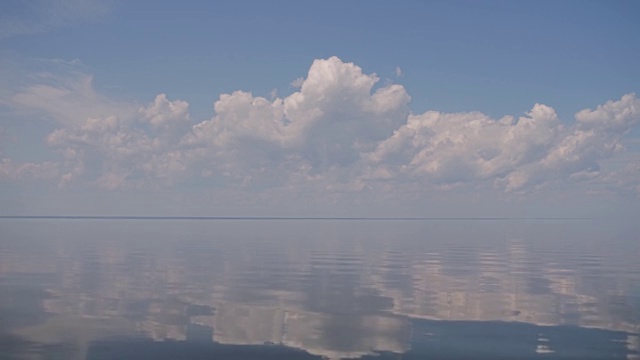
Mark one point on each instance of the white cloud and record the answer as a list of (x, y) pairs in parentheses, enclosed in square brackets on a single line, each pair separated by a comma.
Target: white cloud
[(341, 132), (466, 147), (169, 120), (619, 115), (596, 136), (297, 83), (335, 115), (535, 149), (164, 113), (69, 99), (327, 123)]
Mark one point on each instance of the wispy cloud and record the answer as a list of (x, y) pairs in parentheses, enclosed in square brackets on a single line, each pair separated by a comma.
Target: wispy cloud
[(40, 16), (67, 99)]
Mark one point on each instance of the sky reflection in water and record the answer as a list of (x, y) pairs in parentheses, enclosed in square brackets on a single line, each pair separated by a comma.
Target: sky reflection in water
[(302, 289)]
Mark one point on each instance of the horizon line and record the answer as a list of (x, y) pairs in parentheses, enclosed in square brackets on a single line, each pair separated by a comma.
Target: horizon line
[(384, 218)]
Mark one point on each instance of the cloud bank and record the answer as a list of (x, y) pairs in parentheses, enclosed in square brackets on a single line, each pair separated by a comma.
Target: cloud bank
[(342, 130)]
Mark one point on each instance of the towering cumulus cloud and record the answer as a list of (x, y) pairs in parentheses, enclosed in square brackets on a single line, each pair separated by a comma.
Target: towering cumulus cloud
[(327, 123), (341, 129)]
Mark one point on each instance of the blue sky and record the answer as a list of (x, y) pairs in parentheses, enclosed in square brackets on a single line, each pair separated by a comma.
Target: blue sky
[(394, 84)]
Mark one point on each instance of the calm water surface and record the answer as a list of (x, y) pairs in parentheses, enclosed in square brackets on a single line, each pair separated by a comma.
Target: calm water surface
[(305, 289)]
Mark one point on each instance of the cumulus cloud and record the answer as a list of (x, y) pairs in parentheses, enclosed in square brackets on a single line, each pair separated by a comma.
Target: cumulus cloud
[(335, 115), (463, 147), (596, 136), (341, 131), (127, 153), (618, 116), (162, 113), (512, 154)]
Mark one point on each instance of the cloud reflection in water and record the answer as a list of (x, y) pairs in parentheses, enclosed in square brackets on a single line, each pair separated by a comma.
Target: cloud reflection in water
[(449, 289)]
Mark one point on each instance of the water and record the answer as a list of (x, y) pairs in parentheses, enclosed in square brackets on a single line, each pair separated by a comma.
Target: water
[(305, 289)]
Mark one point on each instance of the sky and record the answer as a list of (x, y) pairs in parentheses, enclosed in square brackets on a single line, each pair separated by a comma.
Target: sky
[(339, 108)]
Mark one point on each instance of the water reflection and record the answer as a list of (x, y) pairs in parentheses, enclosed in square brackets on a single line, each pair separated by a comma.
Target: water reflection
[(336, 289)]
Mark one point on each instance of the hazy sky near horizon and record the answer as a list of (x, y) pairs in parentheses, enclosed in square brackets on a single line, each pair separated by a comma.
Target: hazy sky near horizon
[(352, 108)]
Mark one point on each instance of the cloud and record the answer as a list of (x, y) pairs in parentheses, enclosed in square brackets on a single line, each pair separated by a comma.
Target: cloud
[(128, 154), (466, 147), (68, 98), (41, 16), (596, 135), (3, 140), (333, 117), (10, 170), (169, 120), (340, 132), (627, 178), (512, 154), (162, 113), (336, 115), (297, 83), (619, 116)]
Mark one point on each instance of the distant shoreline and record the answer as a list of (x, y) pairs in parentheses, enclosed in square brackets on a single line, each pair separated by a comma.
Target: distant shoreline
[(71, 217)]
